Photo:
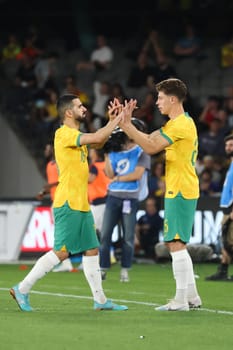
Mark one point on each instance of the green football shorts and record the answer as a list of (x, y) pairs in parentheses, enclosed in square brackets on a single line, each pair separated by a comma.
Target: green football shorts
[(74, 230), (178, 218)]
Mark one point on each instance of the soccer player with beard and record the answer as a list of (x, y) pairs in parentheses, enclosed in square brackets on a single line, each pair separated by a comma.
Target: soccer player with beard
[(74, 224)]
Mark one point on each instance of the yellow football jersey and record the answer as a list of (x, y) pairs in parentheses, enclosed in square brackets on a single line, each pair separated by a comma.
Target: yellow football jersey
[(71, 159), (181, 154)]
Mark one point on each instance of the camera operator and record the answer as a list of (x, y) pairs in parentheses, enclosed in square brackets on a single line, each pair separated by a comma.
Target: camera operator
[(127, 166), (227, 221)]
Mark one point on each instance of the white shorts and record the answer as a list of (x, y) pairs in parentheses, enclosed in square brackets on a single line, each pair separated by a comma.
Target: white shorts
[(98, 213)]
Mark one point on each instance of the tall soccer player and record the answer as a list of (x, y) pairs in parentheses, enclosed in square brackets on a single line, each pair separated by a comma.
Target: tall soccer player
[(178, 137)]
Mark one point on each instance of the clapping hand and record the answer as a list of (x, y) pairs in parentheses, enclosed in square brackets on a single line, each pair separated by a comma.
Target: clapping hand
[(114, 108), (127, 111)]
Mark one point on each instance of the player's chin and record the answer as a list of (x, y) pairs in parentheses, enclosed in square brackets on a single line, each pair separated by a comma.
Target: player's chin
[(80, 119)]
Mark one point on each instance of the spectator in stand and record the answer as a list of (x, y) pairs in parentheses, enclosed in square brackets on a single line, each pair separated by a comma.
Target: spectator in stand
[(222, 116), (155, 49), (146, 112), (155, 43), (42, 118), (187, 45), (29, 49), (227, 54), (156, 180), (207, 186), (51, 120), (11, 49), (45, 70), (140, 72), (164, 68), (24, 87), (228, 106), (140, 78), (117, 91), (209, 112), (215, 165), (212, 141), (70, 87), (25, 76), (102, 91), (38, 39), (43, 115), (101, 57), (148, 228)]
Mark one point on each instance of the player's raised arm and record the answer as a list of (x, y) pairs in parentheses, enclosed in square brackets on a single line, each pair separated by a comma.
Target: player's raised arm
[(101, 135)]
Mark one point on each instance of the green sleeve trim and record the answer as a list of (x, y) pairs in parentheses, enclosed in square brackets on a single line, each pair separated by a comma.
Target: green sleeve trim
[(78, 140), (165, 136)]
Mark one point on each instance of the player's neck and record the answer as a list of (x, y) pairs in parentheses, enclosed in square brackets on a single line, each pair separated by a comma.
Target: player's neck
[(176, 111), (74, 124)]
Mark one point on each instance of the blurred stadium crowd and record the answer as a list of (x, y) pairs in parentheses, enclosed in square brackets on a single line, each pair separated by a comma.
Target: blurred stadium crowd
[(36, 68)]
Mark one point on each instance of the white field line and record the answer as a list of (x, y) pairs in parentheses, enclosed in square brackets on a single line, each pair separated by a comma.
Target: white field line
[(119, 300)]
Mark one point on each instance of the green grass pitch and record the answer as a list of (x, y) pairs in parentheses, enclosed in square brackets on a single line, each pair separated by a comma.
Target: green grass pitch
[(64, 318)]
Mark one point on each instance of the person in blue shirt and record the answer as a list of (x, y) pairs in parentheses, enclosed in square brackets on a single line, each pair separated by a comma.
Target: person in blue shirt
[(127, 166), (226, 204)]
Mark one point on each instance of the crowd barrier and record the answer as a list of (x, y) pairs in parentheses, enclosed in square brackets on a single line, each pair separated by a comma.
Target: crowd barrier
[(27, 226)]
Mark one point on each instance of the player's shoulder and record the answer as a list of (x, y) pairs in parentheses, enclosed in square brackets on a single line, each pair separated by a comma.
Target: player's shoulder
[(59, 130), (185, 120), (187, 117), (65, 130)]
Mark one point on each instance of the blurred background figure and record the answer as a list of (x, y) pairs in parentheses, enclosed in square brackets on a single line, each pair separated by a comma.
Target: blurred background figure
[(11, 49), (227, 53), (148, 228), (98, 183), (101, 57), (188, 44)]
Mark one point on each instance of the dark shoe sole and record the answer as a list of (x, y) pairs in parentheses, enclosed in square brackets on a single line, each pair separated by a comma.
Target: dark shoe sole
[(12, 293), (219, 279)]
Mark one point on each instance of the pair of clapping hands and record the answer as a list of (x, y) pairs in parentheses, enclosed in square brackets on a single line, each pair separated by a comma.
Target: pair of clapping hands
[(125, 111)]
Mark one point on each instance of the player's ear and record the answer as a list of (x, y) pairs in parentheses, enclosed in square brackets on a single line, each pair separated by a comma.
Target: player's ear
[(173, 99), (69, 112)]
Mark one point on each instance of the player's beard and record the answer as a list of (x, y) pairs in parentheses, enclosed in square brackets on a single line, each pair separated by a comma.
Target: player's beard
[(79, 118), (229, 154)]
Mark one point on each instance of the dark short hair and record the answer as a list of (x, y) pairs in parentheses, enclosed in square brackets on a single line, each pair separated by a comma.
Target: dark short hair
[(64, 102), (228, 137), (173, 86)]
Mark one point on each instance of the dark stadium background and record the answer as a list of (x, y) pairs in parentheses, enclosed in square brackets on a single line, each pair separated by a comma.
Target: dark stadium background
[(118, 19)]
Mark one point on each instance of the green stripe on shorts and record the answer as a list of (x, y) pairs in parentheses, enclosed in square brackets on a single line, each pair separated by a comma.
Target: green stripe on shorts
[(178, 218)]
